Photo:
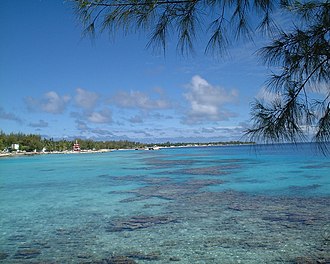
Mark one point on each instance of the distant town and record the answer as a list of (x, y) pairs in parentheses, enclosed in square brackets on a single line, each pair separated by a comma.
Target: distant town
[(19, 143)]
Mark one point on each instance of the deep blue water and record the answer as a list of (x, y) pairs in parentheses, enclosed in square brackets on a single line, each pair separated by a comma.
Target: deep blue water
[(235, 204)]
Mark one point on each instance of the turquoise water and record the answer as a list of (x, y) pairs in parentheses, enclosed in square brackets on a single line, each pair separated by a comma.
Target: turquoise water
[(242, 204)]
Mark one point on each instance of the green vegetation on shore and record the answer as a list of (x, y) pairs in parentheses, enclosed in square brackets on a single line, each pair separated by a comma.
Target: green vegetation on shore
[(33, 142)]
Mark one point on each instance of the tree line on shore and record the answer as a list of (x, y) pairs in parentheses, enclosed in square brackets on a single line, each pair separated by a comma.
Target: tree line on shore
[(33, 142)]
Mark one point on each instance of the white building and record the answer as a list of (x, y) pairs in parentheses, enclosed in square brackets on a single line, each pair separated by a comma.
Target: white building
[(15, 146)]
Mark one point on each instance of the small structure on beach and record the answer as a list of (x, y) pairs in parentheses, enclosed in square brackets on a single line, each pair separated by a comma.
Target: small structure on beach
[(76, 146), (15, 147)]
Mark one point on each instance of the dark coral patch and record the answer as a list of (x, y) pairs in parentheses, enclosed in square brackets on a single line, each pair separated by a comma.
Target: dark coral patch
[(138, 222), (27, 253)]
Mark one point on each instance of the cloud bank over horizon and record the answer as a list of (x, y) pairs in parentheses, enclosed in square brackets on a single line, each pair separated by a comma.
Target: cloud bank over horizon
[(121, 112), (57, 84), (51, 102)]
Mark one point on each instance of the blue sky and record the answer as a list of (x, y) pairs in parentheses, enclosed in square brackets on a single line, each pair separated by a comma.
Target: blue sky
[(56, 83)]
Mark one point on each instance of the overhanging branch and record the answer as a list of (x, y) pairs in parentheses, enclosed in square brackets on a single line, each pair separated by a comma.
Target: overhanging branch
[(141, 4)]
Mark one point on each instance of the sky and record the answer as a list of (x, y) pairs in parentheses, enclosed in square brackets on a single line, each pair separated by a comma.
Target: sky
[(59, 84)]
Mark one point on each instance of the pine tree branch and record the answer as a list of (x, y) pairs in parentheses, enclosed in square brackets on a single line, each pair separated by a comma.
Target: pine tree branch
[(141, 4), (279, 114), (297, 92)]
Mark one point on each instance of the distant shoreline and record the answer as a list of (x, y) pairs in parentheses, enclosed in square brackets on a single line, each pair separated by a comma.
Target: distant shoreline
[(22, 154), (154, 148)]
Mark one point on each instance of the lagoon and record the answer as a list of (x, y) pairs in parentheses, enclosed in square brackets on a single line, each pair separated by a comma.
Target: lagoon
[(233, 204)]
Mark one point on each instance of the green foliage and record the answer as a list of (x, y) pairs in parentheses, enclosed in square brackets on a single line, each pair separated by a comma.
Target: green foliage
[(302, 55), (218, 20), (2, 141), (302, 101), (27, 142), (30, 143)]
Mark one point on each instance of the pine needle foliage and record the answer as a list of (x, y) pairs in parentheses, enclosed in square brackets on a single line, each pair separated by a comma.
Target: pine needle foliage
[(218, 20), (302, 83), (300, 56)]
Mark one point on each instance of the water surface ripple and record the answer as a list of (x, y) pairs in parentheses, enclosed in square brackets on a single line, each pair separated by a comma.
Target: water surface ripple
[(269, 204)]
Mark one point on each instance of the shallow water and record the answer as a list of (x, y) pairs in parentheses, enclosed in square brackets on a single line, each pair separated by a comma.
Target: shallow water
[(268, 204)]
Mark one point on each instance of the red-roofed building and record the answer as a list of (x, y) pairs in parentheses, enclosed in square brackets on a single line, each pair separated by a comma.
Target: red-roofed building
[(76, 146)]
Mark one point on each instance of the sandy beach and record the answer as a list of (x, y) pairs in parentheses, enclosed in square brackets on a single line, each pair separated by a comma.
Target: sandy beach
[(20, 154)]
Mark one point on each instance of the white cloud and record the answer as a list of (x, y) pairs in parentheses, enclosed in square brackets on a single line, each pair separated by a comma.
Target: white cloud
[(54, 103), (104, 116), (137, 99), (267, 95), (85, 99), (50, 103), (82, 126), (322, 88), (206, 101), (101, 132), (92, 132), (40, 123), (137, 119), (9, 116)]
